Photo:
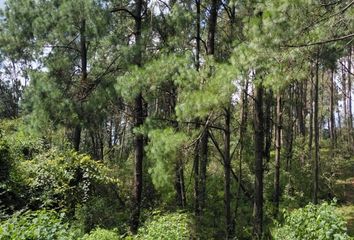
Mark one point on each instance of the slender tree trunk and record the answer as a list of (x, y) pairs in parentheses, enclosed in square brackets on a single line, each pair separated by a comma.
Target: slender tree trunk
[(77, 137), (277, 155), (83, 56), (198, 37), (299, 109), (344, 92), (301, 112), (304, 103), (83, 51), (179, 171), (311, 117), (350, 113), (203, 168), (227, 173), (259, 146), (268, 125), (243, 130), (138, 166), (316, 127), (205, 135), (289, 131), (196, 163), (139, 138), (212, 22), (196, 182), (179, 184), (331, 107)]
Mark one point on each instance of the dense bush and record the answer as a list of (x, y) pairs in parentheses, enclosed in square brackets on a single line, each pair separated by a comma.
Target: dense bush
[(5, 160), (36, 225), (61, 179), (312, 222), (103, 210), (101, 234), (167, 226)]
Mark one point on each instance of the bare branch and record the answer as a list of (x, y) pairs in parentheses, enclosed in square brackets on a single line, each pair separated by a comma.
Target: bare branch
[(321, 42), (118, 9)]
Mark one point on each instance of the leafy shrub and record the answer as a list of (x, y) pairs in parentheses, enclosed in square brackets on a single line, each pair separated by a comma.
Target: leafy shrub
[(167, 226), (37, 225), (5, 160), (23, 143), (103, 210), (312, 222), (61, 179), (101, 234), (10, 190)]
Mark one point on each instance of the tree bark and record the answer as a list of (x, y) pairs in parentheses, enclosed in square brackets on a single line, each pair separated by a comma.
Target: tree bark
[(205, 135), (344, 92), (311, 117), (227, 173), (316, 128), (139, 138), (203, 168), (243, 130), (77, 137), (268, 125), (259, 145), (179, 184), (196, 162), (289, 130), (299, 108), (196, 182), (350, 113), (277, 155), (331, 107), (83, 58), (212, 21)]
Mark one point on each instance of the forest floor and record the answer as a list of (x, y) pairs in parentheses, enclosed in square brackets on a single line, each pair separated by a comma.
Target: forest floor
[(347, 208)]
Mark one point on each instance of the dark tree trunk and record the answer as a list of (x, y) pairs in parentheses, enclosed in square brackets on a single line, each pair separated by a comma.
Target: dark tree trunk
[(277, 155), (196, 163), (289, 130), (227, 173), (331, 107), (77, 137), (198, 37), (203, 168), (196, 182), (212, 26), (179, 184), (311, 116), (83, 51), (83, 58), (139, 138), (138, 166), (299, 109), (243, 130), (205, 135), (350, 113), (259, 146), (316, 128), (344, 93), (268, 125)]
